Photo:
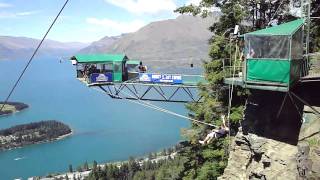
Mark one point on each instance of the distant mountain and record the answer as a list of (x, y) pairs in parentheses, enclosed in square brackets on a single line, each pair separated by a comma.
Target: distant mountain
[(22, 47), (101, 45), (181, 40)]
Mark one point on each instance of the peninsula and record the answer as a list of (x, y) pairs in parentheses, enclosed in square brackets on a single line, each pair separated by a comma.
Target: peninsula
[(12, 107), (33, 133)]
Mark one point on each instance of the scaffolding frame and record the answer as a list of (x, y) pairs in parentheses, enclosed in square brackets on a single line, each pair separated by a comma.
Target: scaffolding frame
[(134, 91)]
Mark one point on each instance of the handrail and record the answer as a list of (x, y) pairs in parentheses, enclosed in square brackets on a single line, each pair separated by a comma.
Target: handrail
[(228, 71), (314, 64)]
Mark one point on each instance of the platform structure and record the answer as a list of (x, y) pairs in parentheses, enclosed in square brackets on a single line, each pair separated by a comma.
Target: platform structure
[(135, 89), (309, 73), (273, 59)]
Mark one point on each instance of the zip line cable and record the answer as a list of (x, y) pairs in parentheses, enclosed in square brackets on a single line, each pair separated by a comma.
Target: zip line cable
[(32, 57), (150, 105)]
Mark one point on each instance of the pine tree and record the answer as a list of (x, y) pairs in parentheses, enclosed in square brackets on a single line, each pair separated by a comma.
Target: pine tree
[(86, 166), (70, 168)]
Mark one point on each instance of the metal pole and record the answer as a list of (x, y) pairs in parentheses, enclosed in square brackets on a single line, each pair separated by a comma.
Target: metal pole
[(308, 30), (306, 103)]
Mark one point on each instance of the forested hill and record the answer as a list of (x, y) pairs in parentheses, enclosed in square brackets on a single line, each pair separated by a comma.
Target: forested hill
[(32, 133)]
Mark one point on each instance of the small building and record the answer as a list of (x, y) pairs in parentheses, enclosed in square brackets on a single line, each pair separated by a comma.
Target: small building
[(103, 67), (273, 57)]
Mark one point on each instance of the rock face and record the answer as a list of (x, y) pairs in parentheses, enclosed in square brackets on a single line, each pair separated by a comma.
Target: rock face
[(253, 157), (260, 158), (273, 115), (308, 156), (101, 45)]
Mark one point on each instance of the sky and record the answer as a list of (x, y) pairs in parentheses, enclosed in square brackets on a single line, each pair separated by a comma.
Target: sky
[(82, 20)]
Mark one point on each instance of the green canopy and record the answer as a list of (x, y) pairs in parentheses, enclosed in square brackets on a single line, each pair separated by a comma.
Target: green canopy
[(99, 58), (288, 28)]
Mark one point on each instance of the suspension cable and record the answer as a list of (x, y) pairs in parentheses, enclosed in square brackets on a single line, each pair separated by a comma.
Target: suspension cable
[(276, 10), (32, 57), (150, 105), (231, 93)]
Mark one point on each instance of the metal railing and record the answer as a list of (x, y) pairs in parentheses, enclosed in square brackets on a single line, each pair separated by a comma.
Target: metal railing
[(314, 64), (236, 70)]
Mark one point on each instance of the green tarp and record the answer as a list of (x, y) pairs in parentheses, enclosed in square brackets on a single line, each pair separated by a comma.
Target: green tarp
[(288, 28), (270, 60), (99, 58), (277, 71)]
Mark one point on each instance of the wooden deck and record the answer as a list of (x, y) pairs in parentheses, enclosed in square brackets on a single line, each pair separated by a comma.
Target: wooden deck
[(311, 78), (238, 81)]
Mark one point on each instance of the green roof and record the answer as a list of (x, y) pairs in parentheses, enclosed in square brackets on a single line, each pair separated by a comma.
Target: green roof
[(288, 28), (99, 58), (133, 62)]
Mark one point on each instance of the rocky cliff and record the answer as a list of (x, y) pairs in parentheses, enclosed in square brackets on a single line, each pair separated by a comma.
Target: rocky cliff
[(257, 153), (253, 157)]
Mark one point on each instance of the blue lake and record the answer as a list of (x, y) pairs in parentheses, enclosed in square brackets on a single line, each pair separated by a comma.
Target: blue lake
[(104, 129)]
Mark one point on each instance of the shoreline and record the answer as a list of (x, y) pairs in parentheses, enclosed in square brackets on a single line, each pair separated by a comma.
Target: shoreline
[(82, 174), (15, 105)]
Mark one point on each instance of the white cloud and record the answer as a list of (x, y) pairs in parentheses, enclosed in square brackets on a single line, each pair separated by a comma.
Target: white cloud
[(27, 13), (112, 27), (5, 15), (197, 3), (5, 5), (145, 6), (194, 2)]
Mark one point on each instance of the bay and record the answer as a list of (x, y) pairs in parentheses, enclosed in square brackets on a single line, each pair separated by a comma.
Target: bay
[(105, 129)]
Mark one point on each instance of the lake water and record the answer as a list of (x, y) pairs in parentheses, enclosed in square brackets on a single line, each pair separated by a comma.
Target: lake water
[(104, 129)]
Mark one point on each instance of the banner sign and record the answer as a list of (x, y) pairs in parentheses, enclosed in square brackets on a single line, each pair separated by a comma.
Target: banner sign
[(145, 77), (160, 78), (98, 77)]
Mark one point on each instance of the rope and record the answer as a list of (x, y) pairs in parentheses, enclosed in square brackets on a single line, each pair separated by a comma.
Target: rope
[(231, 92), (317, 113), (33, 55), (276, 11)]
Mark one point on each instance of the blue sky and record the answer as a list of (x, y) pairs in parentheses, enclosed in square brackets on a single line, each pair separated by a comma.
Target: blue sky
[(82, 20)]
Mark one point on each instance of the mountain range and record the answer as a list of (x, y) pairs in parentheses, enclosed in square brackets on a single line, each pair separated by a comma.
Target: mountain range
[(183, 40), (179, 41), (23, 47)]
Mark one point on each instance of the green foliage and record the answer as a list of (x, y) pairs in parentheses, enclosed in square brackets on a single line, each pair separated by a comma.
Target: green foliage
[(315, 26), (210, 170), (85, 166), (236, 114), (313, 142)]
